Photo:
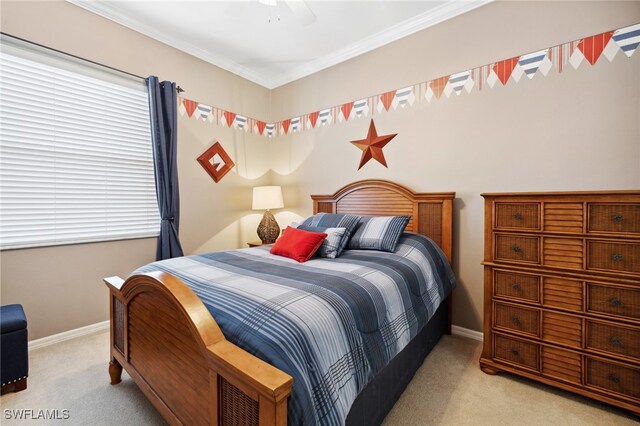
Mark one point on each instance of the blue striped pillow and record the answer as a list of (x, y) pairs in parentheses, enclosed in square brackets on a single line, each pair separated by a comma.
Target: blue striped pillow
[(333, 220), (330, 247), (379, 233)]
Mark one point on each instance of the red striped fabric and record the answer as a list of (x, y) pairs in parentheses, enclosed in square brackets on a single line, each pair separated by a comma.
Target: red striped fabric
[(592, 47)]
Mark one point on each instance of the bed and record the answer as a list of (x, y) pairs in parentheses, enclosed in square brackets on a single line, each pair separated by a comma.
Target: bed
[(170, 344)]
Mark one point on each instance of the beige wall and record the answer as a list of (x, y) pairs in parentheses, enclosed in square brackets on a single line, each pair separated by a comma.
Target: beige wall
[(61, 287), (579, 130)]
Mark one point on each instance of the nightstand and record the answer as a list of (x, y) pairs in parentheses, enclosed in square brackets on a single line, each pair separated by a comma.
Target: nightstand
[(254, 243)]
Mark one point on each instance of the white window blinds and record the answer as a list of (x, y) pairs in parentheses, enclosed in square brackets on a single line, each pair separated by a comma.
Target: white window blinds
[(75, 151)]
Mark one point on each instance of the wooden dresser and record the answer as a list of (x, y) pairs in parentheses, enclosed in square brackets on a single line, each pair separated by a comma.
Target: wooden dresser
[(562, 291)]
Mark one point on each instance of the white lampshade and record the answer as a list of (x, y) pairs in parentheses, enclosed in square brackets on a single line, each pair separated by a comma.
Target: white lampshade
[(267, 197)]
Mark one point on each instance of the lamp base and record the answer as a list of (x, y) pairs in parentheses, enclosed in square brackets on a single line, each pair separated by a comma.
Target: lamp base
[(268, 230)]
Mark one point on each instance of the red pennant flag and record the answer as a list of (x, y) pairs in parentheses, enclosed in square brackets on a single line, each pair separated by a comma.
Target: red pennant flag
[(387, 98), (261, 126), (313, 118), (438, 85), (592, 47), (189, 106), (503, 69), (346, 110), (285, 125), (229, 116)]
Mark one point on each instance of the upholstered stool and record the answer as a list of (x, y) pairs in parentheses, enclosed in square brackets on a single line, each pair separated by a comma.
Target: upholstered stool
[(14, 355)]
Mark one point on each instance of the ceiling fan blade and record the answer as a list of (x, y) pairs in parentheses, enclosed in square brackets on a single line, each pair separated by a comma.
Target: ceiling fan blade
[(302, 11)]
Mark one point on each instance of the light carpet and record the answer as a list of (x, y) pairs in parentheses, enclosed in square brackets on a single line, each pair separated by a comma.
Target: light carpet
[(449, 389)]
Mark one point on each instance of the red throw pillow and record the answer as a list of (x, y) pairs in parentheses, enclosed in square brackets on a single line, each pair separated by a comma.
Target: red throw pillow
[(298, 244)]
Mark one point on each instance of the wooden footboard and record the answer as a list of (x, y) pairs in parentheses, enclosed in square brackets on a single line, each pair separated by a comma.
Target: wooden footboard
[(168, 342)]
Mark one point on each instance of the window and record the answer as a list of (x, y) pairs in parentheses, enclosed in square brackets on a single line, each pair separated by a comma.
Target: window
[(76, 161)]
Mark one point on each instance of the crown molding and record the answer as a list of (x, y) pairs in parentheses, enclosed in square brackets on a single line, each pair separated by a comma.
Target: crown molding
[(425, 20), (104, 9)]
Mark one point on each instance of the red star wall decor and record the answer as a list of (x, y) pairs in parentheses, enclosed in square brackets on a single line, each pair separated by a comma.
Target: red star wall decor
[(372, 146)]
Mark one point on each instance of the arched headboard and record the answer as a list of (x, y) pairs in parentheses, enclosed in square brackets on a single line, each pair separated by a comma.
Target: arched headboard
[(431, 212)]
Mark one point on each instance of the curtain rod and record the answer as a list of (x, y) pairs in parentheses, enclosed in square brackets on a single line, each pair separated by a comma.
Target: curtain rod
[(178, 88)]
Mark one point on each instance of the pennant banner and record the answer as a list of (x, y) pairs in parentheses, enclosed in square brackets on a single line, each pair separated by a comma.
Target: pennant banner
[(589, 50)]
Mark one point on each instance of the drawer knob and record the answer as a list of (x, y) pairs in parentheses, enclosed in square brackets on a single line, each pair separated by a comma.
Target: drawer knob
[(515, 320), (617, 218), (516, 248), (616, 302), (516, 286), (614, 378), (616, 341), (515, 351), (517, 216), (617, 257)]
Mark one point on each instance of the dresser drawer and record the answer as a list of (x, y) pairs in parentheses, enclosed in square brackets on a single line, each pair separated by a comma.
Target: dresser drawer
[(563, 252), (562, 293), (520, 286), (613, 339), (517, 248), (562, 329), (614, 256), (604, 299), (624, 380), (516, 351), (561, 364), (619, 218), (563, 217), (518, 215), (515, 318)]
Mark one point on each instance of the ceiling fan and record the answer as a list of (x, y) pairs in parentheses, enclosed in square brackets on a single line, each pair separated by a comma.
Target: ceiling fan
[(299, 8)]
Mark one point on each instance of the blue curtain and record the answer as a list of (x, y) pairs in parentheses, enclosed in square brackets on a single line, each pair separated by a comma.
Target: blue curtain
[(164, 129)]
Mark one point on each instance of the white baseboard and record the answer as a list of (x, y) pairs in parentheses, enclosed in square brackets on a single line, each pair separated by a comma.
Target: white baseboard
[(465, 332), (68, 335)]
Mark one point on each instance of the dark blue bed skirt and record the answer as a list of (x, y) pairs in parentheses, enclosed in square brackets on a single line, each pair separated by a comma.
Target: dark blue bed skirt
[(378, 398)]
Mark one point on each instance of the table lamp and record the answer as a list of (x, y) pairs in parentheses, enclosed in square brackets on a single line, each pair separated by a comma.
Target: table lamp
[(266, 198)]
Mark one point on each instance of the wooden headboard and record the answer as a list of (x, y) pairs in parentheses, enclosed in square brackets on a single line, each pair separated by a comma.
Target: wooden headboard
[(431, 212)]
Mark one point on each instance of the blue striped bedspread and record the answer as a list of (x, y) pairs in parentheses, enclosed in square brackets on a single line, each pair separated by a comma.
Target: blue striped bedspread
[(331, 324)]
